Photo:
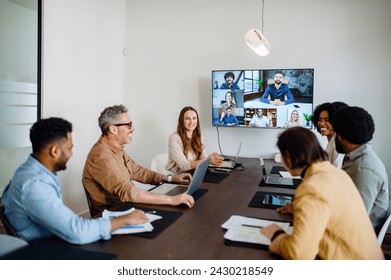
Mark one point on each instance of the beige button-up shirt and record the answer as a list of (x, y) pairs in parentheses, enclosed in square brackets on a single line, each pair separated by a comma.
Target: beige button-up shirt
[(108, 174)]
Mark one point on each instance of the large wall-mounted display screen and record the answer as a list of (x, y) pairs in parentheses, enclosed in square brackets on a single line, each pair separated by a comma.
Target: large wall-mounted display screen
[(262, 98)]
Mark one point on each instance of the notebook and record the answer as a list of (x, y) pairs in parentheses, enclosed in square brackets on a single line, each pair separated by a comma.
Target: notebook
[(232, 164), (275, 180), (195, 184)]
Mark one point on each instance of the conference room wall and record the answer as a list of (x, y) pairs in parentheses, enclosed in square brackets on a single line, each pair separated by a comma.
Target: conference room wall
[(172, 47), (83, 72)]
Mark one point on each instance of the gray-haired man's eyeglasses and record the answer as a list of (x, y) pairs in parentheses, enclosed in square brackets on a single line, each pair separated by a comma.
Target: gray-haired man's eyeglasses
[(129, 124)]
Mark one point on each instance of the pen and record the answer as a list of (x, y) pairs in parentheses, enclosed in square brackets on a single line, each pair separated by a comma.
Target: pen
[(135, 226), (223, 169), (146, 212), (252, 226)]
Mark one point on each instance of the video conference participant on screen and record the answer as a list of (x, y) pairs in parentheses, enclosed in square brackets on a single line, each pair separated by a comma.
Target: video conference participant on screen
[(229, 101), (259, 120), (229, 78), (277, 92), (228, 118), (294, 120)]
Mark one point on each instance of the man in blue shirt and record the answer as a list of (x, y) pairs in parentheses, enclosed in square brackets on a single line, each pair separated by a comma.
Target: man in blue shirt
[(229, 78), (33, 200), (277, 92), (354, 128), (227, 118)]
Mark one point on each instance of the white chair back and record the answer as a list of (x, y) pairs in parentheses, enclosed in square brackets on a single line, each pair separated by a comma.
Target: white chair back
[(159, 163)]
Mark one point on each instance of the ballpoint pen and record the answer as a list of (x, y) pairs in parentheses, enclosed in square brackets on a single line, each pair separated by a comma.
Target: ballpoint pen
[(251, 226), (133, 226), (223, 169)]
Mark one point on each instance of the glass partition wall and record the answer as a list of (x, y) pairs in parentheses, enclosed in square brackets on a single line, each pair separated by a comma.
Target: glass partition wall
[(20, 55)]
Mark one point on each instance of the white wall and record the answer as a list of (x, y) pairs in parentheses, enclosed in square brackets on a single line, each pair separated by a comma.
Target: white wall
[(83, 72), (174, 45)]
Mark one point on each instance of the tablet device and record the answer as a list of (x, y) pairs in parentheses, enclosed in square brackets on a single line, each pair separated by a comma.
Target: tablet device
[(270, 200)]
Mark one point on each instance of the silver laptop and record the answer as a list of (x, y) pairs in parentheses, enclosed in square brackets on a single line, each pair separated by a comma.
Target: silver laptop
[(230, 164), (275, 180), (195, 184)]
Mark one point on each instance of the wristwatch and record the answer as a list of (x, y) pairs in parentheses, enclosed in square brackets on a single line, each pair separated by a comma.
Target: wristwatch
[(169, 178), (276, 233)]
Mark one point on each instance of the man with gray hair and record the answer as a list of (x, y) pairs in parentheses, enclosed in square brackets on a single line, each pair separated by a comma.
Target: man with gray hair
[(109, 171)]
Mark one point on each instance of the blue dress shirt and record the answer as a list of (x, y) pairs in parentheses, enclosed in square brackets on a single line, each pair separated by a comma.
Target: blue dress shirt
[(231, 119), (279, 93), (233, 86), (33, 204)]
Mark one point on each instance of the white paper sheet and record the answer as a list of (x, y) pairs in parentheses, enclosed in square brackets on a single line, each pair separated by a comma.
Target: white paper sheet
[(244, 229), (128, 229), (286, 174)]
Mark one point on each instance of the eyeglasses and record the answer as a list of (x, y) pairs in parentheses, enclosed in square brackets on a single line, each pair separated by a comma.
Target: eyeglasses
[(129, 124)]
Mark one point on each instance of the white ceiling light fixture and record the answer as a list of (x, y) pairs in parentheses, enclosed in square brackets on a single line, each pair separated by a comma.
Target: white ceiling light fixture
[(256, 40)]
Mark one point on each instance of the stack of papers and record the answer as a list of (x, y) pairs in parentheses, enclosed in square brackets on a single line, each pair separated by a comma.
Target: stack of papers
[(244, 229), (145, 227), (286, 174)]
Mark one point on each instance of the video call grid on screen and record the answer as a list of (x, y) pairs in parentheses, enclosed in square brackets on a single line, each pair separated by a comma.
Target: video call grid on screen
[(249, 87)]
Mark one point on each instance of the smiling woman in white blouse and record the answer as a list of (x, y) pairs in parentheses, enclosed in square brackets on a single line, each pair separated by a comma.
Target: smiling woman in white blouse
[(186, 146)]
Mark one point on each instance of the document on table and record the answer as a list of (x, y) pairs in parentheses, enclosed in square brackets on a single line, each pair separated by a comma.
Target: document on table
[(244, 229), (286, 174), (144, 227)]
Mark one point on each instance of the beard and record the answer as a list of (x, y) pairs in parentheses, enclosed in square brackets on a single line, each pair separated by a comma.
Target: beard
[(339, 146), (61, 166)]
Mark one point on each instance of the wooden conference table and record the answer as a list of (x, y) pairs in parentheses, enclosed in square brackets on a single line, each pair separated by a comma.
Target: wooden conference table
[(197, 233)]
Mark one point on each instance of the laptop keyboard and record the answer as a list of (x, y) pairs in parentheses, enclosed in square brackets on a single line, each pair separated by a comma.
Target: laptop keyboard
[(279, 181), (177, 190)]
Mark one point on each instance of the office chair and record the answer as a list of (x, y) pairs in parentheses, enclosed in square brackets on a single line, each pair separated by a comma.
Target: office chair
[(9, 244), (90, 207), (159, 164), (7, 225)]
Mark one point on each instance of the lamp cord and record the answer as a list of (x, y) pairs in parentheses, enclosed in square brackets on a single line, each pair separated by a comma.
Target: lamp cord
[(218, 142), (263, 8)]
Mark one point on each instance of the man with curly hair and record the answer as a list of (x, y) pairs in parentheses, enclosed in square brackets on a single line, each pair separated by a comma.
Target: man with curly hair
[(33, 199), (354, 127)]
